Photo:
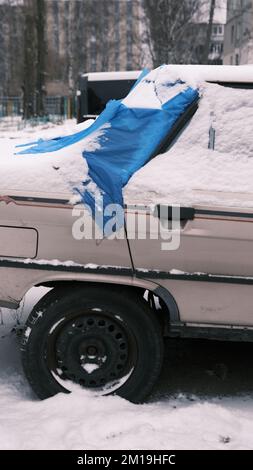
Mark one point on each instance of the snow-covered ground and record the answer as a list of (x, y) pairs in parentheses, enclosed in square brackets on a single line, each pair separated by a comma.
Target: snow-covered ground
[(202, 401)]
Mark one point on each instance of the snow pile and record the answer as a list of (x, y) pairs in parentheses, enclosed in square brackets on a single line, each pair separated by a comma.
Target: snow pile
[(190, 173), (168, 421), (82, 421)]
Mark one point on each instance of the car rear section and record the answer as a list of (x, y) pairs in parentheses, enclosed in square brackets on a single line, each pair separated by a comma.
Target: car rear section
[(93, 329), (37, 245)]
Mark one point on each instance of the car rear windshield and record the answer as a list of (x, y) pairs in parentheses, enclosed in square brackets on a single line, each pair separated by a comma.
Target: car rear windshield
[(100, 92)]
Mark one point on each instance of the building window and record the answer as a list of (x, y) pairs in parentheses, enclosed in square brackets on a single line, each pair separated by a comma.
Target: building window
[(216, 48), (238, 32), (215, 30), (220, 30), (232, 34)]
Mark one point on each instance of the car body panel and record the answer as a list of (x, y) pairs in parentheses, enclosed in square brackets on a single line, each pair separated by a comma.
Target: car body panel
[(53, 220), (211, 243), (215, 254), (18, 242), (17, 277), (207, 280), (222, 298)]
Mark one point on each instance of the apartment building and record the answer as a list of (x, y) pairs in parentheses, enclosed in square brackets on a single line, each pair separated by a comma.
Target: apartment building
[(238, 40)]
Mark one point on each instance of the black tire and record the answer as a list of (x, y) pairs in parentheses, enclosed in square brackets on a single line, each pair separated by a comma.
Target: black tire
[(117, 333)]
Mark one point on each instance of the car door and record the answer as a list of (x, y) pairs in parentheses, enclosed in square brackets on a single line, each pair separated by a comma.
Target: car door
[(209, 272)]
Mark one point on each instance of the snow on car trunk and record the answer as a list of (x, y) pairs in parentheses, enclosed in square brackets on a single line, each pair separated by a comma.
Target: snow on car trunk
[(53, 172)]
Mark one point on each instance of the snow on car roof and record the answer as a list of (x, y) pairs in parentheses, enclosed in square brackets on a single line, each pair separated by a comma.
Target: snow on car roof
[(103, 76), (215, 73), (211, 73)]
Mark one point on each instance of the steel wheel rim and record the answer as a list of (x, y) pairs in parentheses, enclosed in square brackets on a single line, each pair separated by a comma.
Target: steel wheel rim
[(95, 350)]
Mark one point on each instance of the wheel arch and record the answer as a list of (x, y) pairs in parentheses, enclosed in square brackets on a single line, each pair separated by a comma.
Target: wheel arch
[(119, 279), (168, 312)]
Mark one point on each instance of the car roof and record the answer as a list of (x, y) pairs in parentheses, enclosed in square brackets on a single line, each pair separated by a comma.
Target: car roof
[(104, 76), (217, 73), (209, 73)]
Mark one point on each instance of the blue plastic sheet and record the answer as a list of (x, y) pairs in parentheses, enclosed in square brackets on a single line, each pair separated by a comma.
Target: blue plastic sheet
[(57, 143), (129, 141), (128, 144), (46, 146)]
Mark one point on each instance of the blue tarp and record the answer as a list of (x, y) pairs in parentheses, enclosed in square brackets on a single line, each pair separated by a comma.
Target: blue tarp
[(132, 137), (51, 145)]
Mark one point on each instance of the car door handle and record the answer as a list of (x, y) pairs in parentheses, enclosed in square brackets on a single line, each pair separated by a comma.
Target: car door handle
[(164, 212)]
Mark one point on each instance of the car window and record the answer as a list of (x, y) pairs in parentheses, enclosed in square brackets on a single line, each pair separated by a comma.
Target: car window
[(100, 92), (224, 116), (189, 172), (232, 120)]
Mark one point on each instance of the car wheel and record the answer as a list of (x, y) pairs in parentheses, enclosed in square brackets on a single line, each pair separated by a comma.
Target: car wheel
[(103, 340)]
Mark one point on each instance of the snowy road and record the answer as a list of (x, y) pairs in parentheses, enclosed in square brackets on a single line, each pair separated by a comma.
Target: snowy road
[(185, 411)]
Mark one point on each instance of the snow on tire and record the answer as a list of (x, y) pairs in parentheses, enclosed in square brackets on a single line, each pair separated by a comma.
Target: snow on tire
[(100, 339)]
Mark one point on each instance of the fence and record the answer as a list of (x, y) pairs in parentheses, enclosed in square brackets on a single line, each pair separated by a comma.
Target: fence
[(56, 107)]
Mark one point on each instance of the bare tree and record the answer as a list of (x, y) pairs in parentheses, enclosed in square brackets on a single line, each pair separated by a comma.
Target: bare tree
[(11, 50), (167, 29), (209, 33), (100, 35), (41, 56), (34, 58), (29, 75)]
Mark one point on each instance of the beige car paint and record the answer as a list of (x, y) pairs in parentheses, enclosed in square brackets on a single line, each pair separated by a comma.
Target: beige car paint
[(215, 253), (53, 222), (216, 245)]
